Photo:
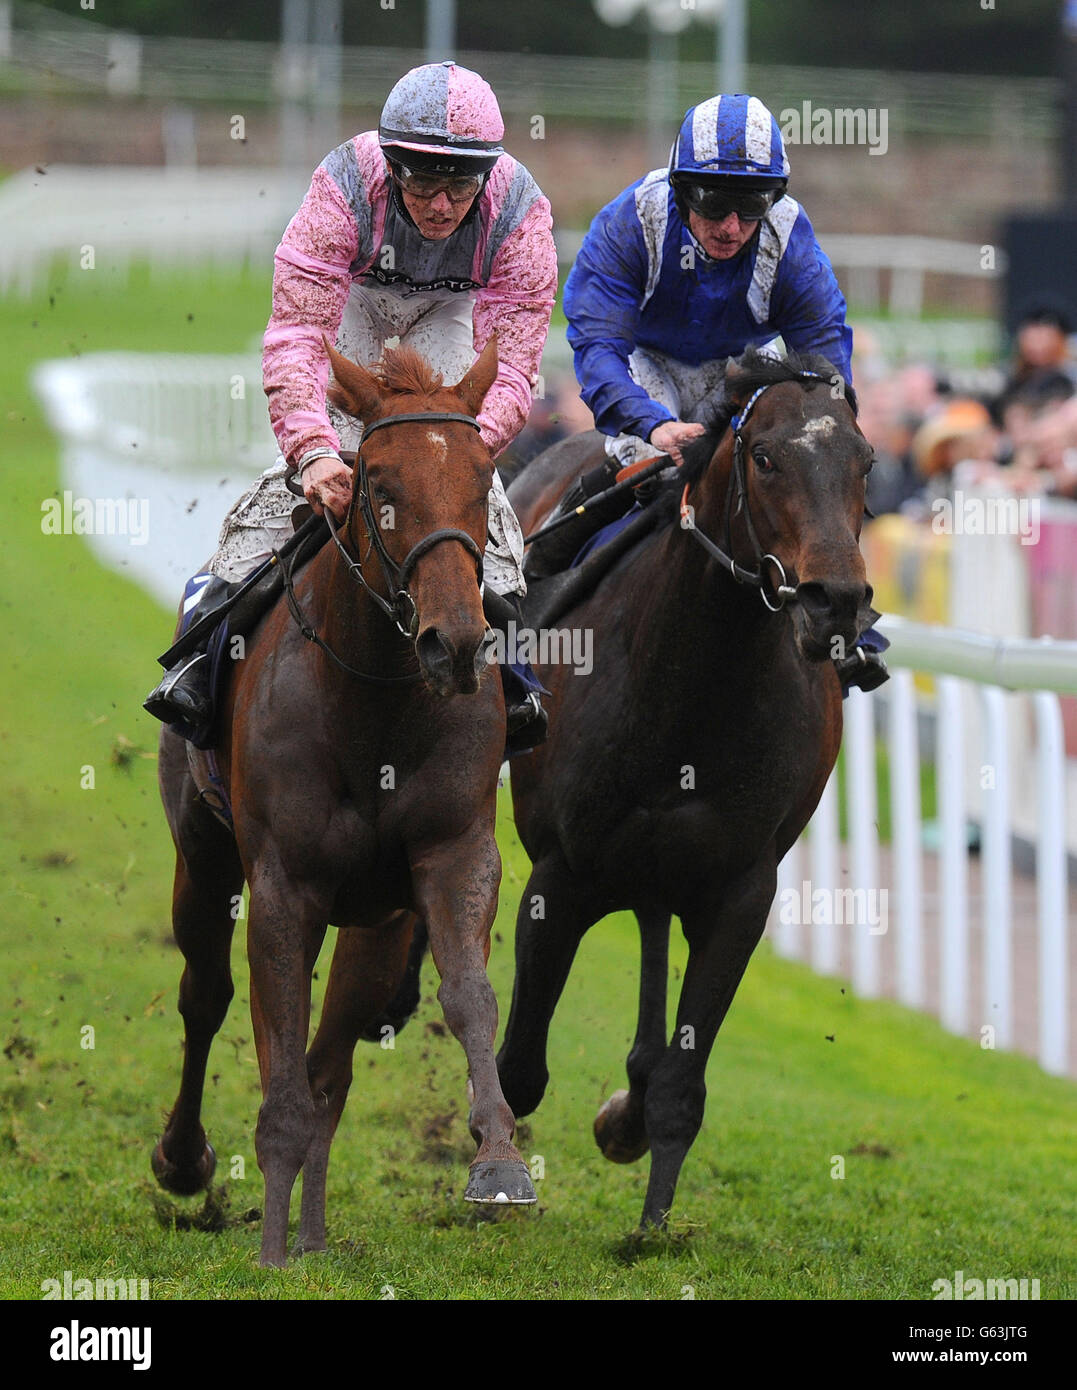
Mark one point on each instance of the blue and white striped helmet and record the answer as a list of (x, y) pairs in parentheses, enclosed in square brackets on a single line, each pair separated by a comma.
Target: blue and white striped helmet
[(730, 137)]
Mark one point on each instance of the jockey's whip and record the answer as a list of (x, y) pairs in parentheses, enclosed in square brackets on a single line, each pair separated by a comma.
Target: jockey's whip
[(629, 477)]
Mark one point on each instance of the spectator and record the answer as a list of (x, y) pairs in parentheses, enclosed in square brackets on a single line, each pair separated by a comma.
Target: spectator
[(961, 430), (1042, 345), (1045, 458)]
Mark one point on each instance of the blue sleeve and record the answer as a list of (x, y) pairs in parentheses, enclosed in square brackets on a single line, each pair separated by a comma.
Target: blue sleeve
[(809, 308), (602, 300)]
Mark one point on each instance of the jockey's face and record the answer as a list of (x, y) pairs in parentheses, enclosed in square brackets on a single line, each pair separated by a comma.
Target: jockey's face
[(437, 217), (724, 239)]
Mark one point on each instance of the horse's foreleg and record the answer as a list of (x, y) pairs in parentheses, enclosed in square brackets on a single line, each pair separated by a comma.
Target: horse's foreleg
[(620, 1126), (368, 966), (720, 940), (407, 998), (456, 887), (208, 880), (554, 914), (284, 935)]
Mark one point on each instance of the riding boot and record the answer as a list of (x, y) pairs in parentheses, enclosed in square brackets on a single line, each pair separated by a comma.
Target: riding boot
[(555, 552), (526, 722), (864, 667), (184, 695)]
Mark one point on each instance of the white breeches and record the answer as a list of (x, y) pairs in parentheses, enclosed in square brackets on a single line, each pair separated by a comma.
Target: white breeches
[(682, 389)]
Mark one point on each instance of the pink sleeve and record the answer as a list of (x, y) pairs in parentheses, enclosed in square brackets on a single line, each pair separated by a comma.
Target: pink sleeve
[(516, 302), (311, 281)]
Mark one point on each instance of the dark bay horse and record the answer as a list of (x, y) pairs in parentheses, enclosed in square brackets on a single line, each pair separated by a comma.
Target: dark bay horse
[(680, 770), (362, 774)]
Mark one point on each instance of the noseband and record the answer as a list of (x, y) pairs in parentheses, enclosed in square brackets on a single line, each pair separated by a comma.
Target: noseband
[(401, 606), (736, 502)]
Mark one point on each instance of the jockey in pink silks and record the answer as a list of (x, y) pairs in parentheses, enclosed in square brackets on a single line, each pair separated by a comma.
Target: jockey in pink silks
[(425, 234)]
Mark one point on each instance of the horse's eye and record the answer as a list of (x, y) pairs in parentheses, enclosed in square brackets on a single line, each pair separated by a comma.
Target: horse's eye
[(763, 463)]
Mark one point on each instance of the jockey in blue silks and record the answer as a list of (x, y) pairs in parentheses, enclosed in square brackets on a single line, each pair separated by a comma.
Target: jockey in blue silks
[(685, 269)]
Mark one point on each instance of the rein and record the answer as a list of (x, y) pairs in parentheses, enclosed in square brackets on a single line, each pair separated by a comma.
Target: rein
[(736, 502), (401, 607)]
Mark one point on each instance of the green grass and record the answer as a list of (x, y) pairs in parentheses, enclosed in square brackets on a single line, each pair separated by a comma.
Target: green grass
[(955, 1158)]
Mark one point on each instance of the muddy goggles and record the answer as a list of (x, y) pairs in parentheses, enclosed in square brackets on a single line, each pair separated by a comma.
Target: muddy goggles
[(461, 188), (715, 204)]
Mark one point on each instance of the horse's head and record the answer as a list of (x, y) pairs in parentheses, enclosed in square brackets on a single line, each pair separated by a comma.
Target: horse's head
[(785, 491), (420, 504)]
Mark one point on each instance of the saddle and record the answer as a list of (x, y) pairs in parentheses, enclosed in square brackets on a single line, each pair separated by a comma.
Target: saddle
[(548, 600)]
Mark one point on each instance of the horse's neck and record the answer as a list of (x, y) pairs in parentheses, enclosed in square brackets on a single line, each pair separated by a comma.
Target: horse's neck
[(351, 623), (697, 612)]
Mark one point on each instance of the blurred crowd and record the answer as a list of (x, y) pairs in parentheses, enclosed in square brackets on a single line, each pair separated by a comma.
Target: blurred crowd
[(1017, 423), (1017, 426)]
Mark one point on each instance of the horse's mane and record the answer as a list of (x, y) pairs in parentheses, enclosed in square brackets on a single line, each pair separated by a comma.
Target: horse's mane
[(407, 372), (756, 369)]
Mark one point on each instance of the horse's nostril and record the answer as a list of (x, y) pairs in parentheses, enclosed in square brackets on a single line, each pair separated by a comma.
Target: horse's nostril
[(433, 652), (814, 598), (823, 600)]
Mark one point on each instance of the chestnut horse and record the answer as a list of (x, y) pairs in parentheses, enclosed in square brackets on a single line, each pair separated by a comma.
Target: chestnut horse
[(362, 793), (683, 766)]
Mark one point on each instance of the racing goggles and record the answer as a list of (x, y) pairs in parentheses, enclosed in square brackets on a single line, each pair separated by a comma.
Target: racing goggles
[(461, 188), (715, 204)]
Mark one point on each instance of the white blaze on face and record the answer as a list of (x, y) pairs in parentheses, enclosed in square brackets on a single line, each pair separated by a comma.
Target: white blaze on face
[(437, 443), (816, 431)]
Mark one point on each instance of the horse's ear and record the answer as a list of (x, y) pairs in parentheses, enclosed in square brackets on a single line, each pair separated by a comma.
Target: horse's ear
[(356, 392), (479, 377), (736, 377)]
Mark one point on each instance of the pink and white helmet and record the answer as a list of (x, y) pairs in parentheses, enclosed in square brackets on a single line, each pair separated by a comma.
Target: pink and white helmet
[(442, 118)]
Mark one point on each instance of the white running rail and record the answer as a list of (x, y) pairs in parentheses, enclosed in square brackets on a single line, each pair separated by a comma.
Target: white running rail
[(976, 933)]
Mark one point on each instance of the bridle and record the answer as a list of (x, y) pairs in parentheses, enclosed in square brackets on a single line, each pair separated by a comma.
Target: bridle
[(400, 607), (736, 503)]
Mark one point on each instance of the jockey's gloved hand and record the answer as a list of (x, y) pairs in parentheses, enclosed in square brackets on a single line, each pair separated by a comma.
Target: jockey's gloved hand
[(327, 482), (668, 437)]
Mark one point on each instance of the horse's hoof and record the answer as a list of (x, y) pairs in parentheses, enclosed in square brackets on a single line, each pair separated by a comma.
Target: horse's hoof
[(184, 1182), (501, 1180), (609, 1135)]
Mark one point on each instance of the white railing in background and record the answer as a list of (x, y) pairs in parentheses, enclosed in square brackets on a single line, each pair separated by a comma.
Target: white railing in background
[(161, 409), (908, 259), (995, 667), (184, 433), (104, 220), (60, 50)]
